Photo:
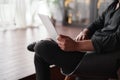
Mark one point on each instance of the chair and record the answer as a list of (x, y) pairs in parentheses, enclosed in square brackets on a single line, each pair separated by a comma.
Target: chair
[(97, 67)]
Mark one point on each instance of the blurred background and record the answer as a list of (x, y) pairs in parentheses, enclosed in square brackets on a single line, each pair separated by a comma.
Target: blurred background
[(24, 13)]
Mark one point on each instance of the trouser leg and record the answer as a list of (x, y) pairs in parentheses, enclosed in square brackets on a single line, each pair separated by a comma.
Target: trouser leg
[(42, 69), (48, 52)]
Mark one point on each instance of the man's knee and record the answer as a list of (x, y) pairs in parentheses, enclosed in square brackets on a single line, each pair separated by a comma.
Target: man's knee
[(46, 50), (43, 46)]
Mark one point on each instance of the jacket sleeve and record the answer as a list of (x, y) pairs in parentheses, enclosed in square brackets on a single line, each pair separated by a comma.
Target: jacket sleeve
[(107, 43), (97, 24)]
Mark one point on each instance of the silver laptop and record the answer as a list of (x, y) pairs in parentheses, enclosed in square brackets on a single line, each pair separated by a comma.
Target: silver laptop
[(49, 26)]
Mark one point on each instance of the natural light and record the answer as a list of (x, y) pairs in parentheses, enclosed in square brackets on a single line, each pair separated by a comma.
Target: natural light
[(21, 13)]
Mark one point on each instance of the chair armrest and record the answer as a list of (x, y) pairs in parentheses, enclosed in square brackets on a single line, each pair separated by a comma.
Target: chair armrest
[(99, 64)]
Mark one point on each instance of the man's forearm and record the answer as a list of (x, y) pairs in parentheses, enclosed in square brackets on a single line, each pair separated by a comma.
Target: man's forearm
[(85, 45)]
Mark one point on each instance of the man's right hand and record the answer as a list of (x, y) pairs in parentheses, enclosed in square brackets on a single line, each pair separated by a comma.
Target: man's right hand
[(82, 35)]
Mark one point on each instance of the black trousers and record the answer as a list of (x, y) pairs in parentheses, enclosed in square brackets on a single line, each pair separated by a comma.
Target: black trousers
[(48, 53)]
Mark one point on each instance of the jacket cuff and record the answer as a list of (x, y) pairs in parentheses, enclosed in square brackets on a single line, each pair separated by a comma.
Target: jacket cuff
[(97, 43)]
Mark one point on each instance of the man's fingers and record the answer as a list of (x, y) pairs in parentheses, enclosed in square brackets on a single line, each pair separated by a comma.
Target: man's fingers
[(78, 38), (61, 37), (61, 45), (83, 37)]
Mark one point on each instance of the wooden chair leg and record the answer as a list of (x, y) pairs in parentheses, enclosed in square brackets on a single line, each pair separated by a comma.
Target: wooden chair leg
[(118, 73), (69, 78)]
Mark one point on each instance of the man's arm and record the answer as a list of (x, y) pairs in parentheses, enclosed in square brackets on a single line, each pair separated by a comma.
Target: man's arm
[(67, 44), (83, 35), (108, 43), (85, 45), (97, 24), (100, 44)]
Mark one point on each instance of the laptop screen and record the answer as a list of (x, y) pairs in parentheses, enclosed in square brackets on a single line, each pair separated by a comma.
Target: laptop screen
[(49, 26)]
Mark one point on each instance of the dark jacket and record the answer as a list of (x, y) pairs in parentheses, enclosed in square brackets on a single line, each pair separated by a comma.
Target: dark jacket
[(106, 30)]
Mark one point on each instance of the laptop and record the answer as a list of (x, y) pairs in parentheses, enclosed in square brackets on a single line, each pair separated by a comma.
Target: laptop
[(49, 26)]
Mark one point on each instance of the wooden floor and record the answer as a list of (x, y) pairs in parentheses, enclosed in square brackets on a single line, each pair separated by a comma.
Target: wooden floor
[(15, 61)]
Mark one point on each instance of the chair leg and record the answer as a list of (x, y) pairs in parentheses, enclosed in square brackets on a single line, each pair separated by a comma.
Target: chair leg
[(77, 78), (69, 78), (118, 73)]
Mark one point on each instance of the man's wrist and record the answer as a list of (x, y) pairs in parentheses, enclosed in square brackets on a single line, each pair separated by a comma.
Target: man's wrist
[(85, 45), (77, 46)]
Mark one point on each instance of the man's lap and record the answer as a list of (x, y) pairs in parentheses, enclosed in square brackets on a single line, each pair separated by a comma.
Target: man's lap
[(50, 51)]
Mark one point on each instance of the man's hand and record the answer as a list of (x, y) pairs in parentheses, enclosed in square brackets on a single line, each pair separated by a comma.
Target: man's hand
[(82, 35), (66, 43)]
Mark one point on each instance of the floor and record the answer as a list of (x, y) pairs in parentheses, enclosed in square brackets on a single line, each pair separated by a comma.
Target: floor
[(15, 61)]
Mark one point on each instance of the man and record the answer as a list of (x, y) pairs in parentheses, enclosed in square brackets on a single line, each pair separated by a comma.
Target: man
[(101, 37)]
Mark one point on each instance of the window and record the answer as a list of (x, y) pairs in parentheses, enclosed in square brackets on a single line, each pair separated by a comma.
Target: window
[(76, 11), (102, 5)]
